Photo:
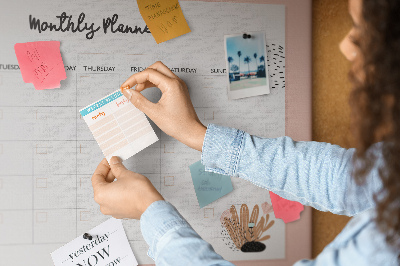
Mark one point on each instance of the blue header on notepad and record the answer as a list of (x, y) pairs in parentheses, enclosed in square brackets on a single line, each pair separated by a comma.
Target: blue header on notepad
[(100, 103)]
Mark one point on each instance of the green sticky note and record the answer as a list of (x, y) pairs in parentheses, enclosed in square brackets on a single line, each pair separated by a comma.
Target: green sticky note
[(209, 186)]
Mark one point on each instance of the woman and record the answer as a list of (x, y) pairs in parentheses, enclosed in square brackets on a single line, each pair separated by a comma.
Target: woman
[(363, 183)]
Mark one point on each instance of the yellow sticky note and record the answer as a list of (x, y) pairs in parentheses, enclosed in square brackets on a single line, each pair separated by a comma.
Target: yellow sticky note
[(164, 18)]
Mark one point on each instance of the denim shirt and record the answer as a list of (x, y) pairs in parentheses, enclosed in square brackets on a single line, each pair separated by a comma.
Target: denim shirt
[(312, 173)]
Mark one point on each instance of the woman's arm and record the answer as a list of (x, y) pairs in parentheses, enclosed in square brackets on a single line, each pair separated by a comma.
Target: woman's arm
[(315, 174), (312, 173), (171, 239)]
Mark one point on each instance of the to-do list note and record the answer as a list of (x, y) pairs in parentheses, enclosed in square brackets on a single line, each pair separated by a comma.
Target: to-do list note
[(118, 126)]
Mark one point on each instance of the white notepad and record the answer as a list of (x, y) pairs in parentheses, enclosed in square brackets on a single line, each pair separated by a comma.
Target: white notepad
[(118, 126)]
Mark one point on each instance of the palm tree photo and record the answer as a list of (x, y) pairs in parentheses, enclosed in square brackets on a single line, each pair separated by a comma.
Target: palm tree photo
[(248, 51)]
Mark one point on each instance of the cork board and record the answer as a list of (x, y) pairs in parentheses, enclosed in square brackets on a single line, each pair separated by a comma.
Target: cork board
[(331, 89)]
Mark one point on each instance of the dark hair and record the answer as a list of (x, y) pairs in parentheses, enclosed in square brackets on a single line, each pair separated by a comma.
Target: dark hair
[(375, 102)]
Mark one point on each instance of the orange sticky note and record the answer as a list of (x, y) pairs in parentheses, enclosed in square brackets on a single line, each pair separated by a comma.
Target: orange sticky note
[(164, 18), (284, 209), (41, 63)]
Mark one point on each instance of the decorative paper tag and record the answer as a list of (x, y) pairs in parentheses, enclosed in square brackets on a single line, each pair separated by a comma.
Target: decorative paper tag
[(109, 246)]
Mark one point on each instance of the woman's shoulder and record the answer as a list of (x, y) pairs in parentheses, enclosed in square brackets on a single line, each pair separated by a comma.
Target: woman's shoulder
[(362, 238)]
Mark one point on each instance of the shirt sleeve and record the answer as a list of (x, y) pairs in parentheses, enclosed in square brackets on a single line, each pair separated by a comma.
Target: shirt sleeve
[(171, 239), (313, 173)]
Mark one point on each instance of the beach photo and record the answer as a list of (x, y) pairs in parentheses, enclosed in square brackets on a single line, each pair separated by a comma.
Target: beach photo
[(246, 64)]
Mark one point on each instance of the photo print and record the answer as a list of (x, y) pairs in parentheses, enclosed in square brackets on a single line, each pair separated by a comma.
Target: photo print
[(246, 58)]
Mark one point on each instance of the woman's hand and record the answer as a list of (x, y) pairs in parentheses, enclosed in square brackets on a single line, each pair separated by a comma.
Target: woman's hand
[(127, 197), (174, 113)]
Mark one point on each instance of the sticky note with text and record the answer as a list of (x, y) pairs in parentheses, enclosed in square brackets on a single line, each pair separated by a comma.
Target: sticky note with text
[(108, 246), (209, 186), (118, 126), (164, 18), (284, 209), (41, 63)]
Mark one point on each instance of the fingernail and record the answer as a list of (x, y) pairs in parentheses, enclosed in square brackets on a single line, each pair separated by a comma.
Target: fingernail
[(127, 93), (115, 160)]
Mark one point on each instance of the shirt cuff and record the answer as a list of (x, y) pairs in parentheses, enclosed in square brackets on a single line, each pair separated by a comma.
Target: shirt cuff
[(222, 148), (159, 218)]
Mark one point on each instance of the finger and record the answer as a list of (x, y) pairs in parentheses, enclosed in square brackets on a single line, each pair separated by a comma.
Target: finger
[(117, 167), (139, 87), (104, 210), (110, 177), (160, 67), (100, 174), (140, 102), (159, 80), (142, 86), (118, 216)]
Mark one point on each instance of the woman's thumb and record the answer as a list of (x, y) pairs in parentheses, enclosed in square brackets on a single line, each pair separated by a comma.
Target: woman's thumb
[(117, 167), (138, 100)]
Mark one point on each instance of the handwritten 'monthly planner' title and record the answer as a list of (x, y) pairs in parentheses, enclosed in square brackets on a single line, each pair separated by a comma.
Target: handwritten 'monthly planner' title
[(66, 23)]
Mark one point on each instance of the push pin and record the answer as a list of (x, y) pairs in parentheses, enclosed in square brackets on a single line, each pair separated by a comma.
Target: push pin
[(87, 236), (246, 36), (125, 88), (128, 91)]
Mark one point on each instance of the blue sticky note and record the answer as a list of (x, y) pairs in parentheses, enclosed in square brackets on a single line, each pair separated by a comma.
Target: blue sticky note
[(209, 186)]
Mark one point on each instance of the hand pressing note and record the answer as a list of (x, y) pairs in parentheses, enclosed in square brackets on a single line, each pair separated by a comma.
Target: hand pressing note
[(127, 197), (173, 113)]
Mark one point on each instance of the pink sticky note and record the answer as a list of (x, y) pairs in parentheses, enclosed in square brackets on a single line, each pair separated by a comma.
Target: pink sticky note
[(284, 209), (41, 63)]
